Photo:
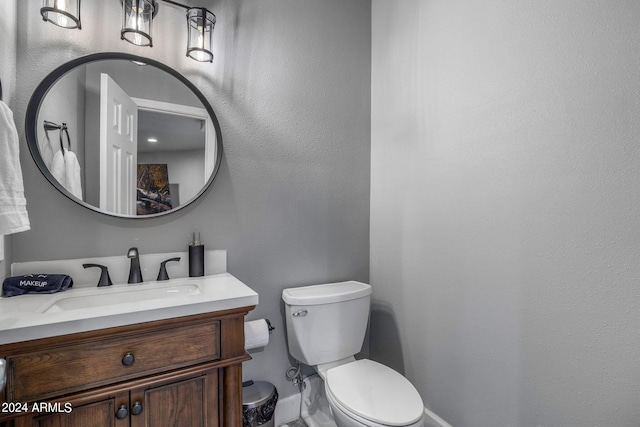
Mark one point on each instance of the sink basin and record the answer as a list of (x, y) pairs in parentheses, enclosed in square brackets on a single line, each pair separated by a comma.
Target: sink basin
[(89, 308), (130, 294)]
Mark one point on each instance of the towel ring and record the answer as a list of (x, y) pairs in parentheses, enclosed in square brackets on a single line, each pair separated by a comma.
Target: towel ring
[(62, 128)]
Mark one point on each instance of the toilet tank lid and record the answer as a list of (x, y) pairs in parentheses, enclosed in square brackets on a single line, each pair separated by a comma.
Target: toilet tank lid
[(326, 294)]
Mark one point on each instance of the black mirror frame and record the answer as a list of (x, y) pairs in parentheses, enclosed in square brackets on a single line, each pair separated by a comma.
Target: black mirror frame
[(41, 91)]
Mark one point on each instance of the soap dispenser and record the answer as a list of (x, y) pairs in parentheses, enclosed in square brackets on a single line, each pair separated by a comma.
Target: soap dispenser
[(196, 257)]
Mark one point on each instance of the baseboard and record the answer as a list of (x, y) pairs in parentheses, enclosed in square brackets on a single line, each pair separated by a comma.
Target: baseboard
[(287, 409), (435, 420)]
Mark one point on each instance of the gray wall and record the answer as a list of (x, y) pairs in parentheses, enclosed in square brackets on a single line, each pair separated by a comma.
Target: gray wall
[(8, 28), (505, 234), (291, 87)]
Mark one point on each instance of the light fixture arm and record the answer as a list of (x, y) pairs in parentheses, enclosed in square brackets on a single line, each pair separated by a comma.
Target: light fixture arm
[(176, 4)]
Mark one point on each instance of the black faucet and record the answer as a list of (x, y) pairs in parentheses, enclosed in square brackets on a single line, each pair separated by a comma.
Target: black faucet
[(135, 275), (105, 279)]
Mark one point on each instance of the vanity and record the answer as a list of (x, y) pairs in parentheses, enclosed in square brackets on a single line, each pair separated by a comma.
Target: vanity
[(160, 353), (160, 361)]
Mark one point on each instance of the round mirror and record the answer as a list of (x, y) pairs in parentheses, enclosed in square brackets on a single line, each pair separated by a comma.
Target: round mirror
[(123, 135)]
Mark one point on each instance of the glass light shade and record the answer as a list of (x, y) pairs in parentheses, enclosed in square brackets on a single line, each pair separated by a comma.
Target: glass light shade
[(200, 24), (63, 13), (137, 19)]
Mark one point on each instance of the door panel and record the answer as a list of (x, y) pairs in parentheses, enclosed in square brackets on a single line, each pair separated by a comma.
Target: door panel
[(99, 414), (190, 402), (118, 148)]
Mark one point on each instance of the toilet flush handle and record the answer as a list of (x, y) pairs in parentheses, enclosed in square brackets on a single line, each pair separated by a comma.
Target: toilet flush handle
[(300, 313)]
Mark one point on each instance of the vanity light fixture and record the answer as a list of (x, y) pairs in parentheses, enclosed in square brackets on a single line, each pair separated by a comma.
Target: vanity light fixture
[(200, 24), (137, 20), (63, 13), (137, 23)]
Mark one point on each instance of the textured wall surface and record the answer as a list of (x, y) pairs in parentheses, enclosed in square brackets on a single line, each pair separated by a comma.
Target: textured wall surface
[(8, 27), (290, 85), (505, 234)]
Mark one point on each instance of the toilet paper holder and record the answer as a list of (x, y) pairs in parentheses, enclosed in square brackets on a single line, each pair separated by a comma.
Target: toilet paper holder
[(257, 333), (271, 328)]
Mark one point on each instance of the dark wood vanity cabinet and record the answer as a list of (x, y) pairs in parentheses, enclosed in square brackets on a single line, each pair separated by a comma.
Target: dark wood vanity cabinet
[(171, 373), (186, 400), (92, 414)]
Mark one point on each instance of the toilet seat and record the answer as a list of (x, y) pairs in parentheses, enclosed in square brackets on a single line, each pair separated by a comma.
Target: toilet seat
[(370, 391), (355, 420)]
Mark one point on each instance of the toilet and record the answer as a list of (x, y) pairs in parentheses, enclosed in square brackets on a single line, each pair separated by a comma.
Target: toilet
[(326, 325)]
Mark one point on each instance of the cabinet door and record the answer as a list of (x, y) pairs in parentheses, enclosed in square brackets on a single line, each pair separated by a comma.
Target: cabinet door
[(97, 414), (186, 401)]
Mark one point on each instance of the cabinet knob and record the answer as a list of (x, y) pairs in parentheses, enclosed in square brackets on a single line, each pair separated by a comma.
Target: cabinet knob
[(122, 412), (136, 409), (128, 359)]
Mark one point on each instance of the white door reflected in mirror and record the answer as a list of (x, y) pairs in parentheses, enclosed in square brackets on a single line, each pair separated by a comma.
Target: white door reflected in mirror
[(118, 148)]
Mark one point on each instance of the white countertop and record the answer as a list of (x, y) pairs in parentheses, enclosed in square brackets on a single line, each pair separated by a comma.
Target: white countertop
[(28, 317)]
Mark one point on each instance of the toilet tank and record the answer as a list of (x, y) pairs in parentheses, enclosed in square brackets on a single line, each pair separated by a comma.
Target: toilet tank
[(326, 323)]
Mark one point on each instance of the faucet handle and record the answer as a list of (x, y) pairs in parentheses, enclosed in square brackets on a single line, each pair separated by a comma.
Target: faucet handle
[(162, 274), (105, 279), (132, 252)]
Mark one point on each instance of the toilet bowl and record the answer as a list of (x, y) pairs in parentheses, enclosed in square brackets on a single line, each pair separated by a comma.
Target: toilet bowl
[(367, 393), (326, 325)]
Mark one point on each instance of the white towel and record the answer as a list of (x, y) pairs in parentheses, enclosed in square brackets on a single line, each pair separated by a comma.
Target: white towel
[(13, 206), (66, 169)]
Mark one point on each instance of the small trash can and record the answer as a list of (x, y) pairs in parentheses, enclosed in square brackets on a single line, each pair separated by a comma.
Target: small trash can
[(259, 400)]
